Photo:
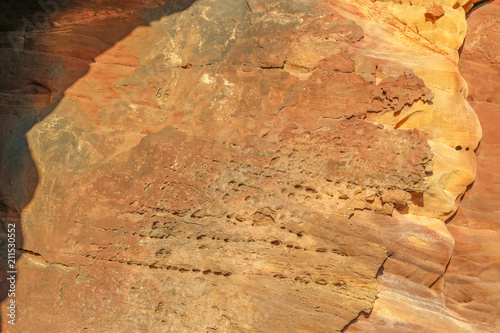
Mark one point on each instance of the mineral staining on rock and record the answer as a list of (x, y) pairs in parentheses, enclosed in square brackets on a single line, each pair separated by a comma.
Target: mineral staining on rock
[(252, 166)]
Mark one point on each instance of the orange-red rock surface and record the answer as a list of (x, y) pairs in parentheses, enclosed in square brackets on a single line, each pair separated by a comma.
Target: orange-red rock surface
[(253, 166), (472, 282)]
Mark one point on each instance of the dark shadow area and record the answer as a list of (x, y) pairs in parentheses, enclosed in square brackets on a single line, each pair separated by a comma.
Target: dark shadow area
[(45, 46), (477, 5), (380, 271), (169, 8)]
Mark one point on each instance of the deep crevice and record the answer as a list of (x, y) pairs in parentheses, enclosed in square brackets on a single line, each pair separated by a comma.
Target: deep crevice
[(362, 313), (380, 271), (442, 274)]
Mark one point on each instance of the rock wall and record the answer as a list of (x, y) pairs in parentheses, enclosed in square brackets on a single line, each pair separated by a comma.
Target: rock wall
[(472, 286), (242, 166)]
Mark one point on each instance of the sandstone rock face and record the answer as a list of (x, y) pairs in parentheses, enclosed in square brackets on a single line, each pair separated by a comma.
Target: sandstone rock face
[(249, 166), (45, 46), (472, 286)]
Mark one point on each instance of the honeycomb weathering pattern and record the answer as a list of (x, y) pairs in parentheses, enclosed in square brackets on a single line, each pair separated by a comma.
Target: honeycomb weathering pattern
[(255, 166)]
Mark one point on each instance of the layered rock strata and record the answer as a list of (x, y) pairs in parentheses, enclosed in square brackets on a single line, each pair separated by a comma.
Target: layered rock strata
[(472, 286), (251, 166)]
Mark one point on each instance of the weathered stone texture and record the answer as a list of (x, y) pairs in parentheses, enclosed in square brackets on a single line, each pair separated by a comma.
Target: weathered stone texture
[(247, 166), (472, 286)]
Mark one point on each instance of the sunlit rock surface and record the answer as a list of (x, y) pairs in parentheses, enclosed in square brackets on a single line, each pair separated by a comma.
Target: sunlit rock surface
[(472, 286), (252, 166)]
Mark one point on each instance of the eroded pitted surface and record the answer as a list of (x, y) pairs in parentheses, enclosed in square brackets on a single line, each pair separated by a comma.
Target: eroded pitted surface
[(229, 162), (234, 167)]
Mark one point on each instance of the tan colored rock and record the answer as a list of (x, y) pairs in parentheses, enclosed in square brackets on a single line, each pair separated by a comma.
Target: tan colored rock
[(258, 166), (229, 188), (469, 286), (436, 66), (471, 282)]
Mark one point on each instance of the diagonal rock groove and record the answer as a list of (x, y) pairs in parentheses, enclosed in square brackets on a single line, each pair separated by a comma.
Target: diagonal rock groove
[(362, 313), (441, 276)]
